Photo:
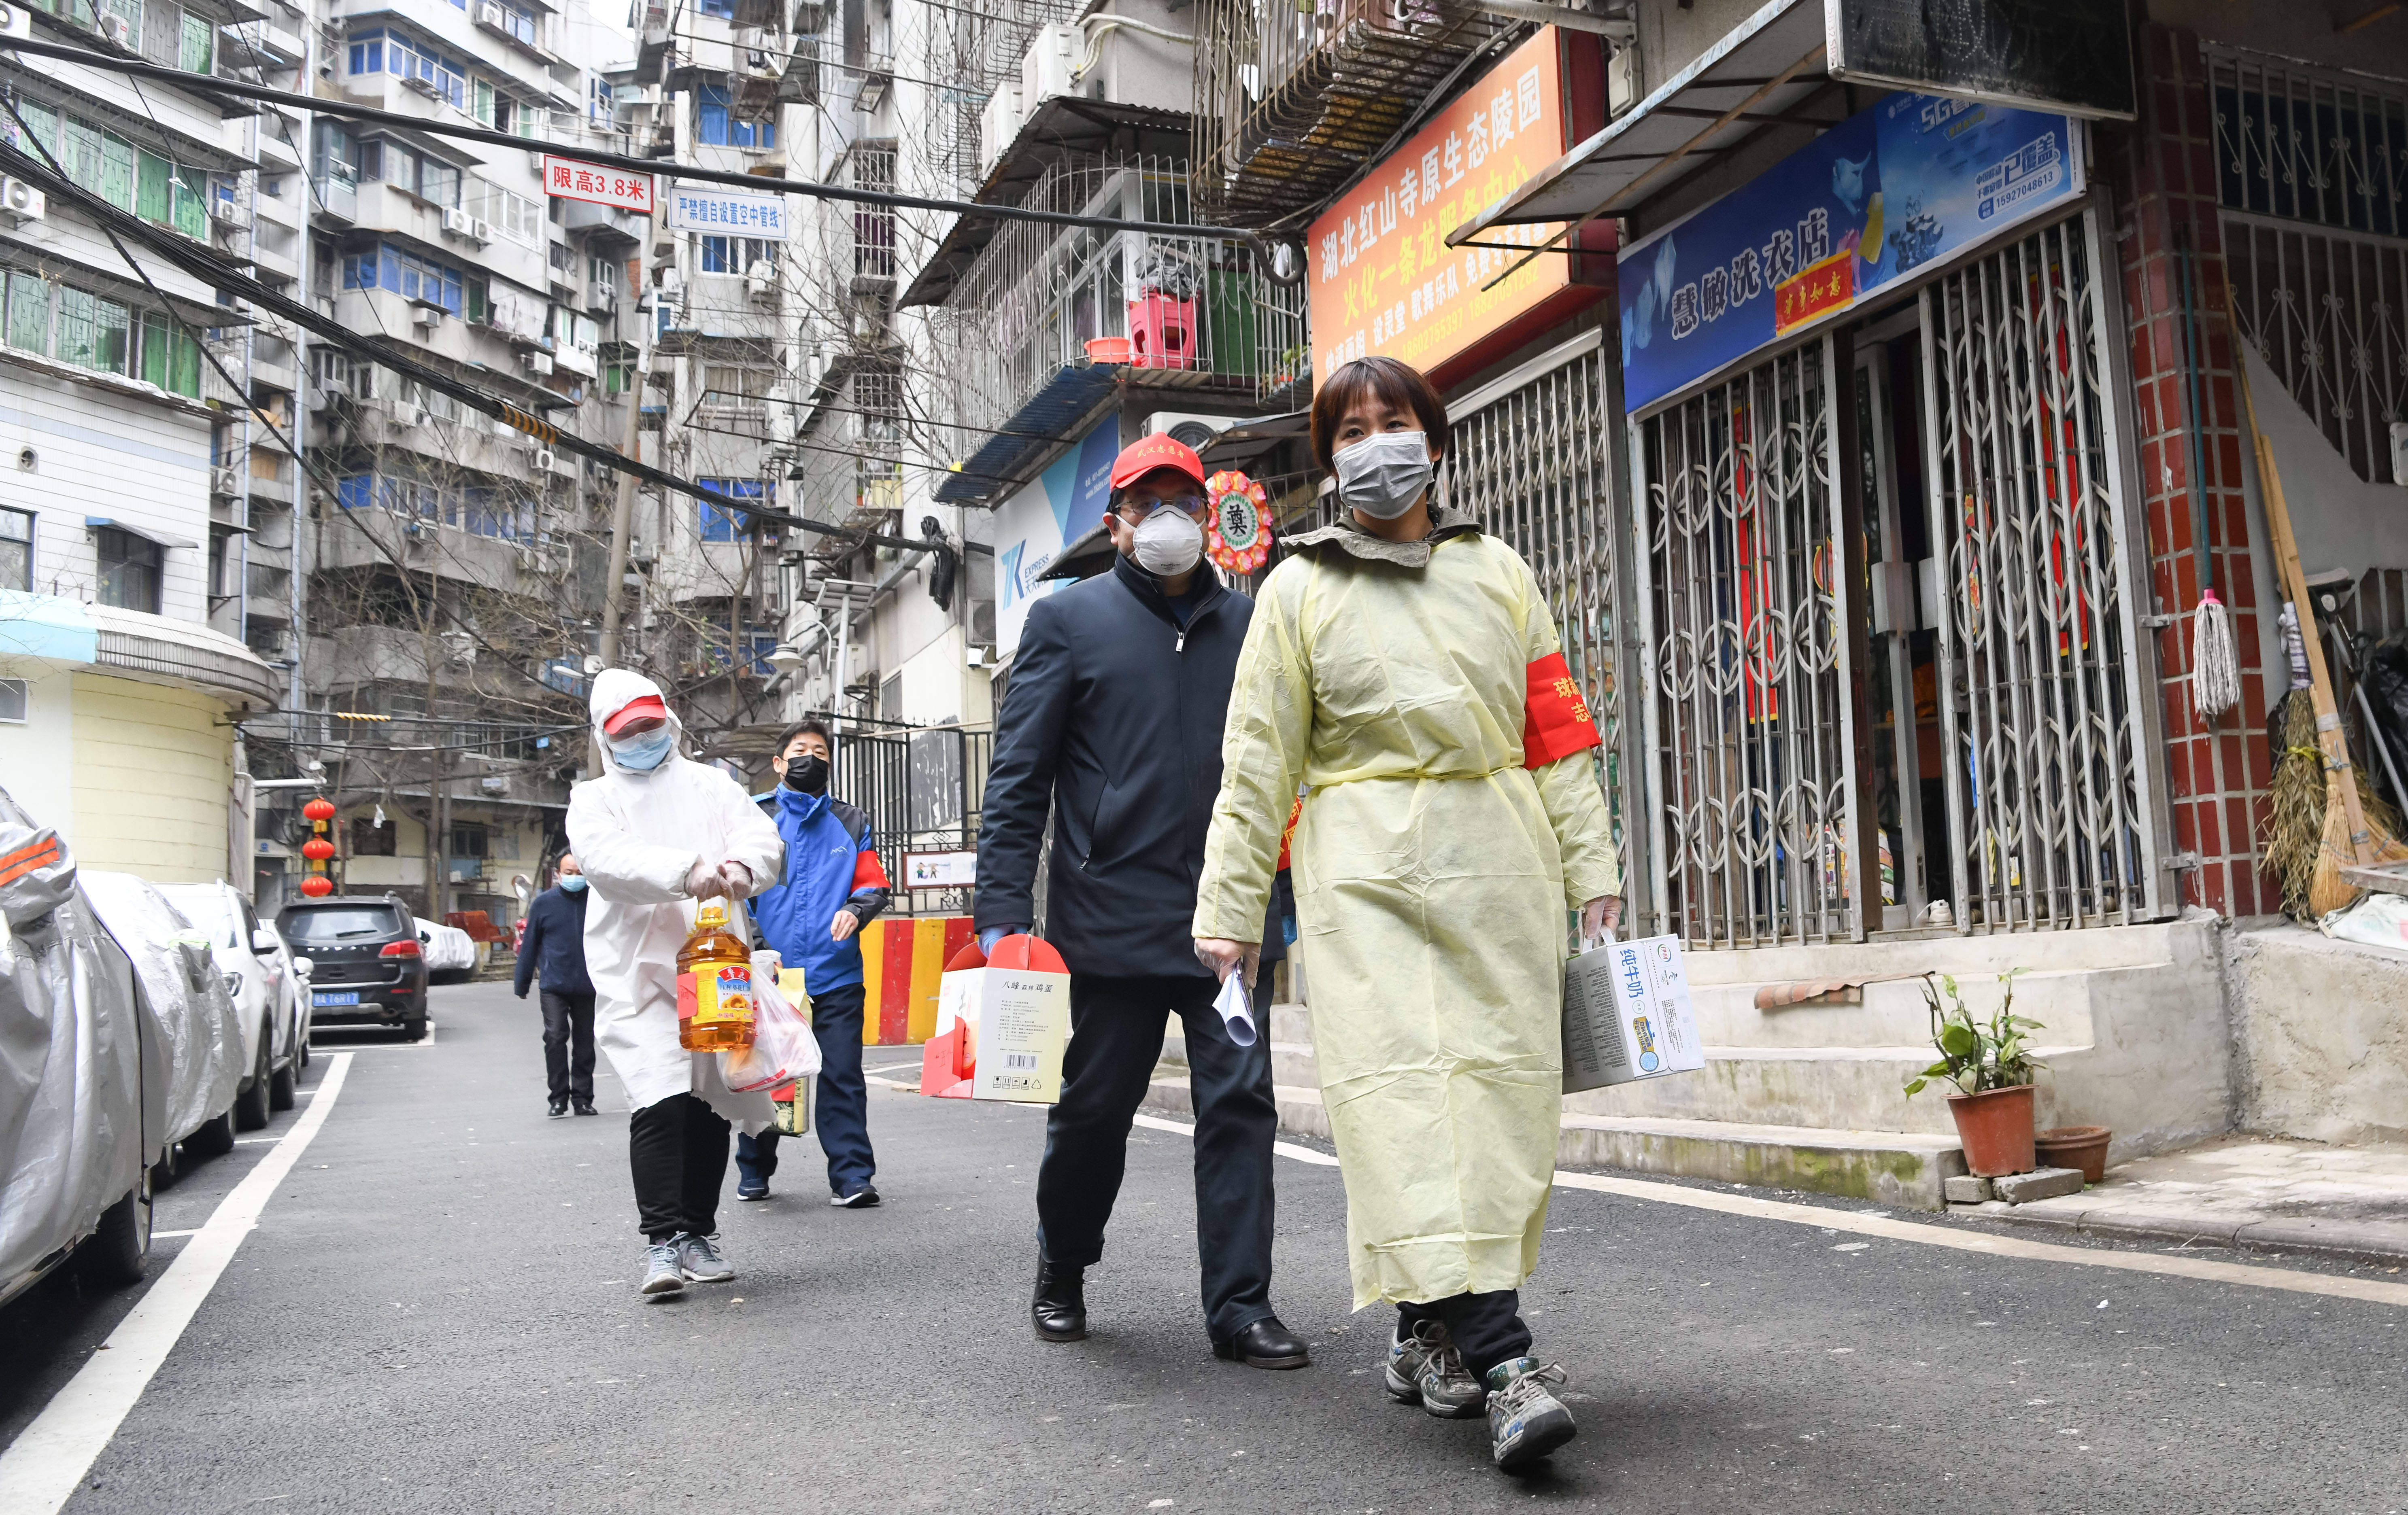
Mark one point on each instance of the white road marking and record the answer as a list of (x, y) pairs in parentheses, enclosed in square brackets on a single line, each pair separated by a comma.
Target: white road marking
[(891, 1068), (1877, 1223), (170, 1235), (41, 1469)]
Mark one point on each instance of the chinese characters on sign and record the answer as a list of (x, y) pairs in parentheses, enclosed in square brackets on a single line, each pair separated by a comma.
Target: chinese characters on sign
[(566, 178), (1884, 196), (733, 212), (1382, 278)]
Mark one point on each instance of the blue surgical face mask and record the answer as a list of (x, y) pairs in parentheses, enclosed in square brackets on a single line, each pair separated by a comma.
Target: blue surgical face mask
[(573, 882), (642, 754)]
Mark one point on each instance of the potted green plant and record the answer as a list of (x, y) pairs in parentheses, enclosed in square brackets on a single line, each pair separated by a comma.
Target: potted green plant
[(1992, 1068)]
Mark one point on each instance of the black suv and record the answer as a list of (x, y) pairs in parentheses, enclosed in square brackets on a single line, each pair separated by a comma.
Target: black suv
[(366, 967)]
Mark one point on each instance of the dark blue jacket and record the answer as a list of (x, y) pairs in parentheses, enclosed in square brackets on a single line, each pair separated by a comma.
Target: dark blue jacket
[(554, 943), (831, 865), (1112, 721)]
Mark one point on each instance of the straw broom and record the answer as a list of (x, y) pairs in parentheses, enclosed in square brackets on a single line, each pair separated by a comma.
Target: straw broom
[(2347, 837)]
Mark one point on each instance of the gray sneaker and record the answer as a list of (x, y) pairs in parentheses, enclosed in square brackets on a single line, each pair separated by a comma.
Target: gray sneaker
[(1525, 1421), (700, 1258), (662, 1274), (1424, 1369)]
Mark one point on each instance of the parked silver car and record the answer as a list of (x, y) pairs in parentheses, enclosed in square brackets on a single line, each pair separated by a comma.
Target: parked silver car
[(265, 987)]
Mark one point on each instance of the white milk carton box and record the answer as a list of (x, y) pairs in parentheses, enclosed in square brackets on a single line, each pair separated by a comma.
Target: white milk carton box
[(1627, 1015), (1014, 1023)]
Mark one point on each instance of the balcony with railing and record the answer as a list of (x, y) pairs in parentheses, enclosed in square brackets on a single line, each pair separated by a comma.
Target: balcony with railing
[(1051, 319), (1291, 100)]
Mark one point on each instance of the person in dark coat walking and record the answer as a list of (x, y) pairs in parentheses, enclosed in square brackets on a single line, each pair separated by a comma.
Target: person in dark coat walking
[(553, 950), (1111, 722)]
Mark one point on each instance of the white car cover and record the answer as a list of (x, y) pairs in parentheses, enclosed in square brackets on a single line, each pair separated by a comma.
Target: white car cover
[(447, 948), (75, 1094), (637, 835), (209, 1050)]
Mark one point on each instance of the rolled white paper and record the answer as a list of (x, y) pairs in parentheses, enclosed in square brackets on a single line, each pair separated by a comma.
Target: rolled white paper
[(1237, 1009)]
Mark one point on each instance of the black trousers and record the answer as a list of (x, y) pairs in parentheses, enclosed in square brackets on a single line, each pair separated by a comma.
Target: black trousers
[(1487, 1328), (841, 1114), (1116, 1029), (569, 1045), (678, 1152)]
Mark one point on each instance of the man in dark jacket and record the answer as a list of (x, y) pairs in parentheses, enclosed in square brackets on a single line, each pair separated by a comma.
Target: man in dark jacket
[(1113, 721), (553, 948), (812, 918)]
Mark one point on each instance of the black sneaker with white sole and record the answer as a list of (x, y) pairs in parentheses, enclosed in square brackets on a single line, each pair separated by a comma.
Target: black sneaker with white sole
[(863, 1198), (1526, 1420)]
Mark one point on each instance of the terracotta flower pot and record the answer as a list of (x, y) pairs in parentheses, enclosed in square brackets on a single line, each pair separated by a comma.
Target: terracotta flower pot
[(1996, 1127), (2082, 1147)]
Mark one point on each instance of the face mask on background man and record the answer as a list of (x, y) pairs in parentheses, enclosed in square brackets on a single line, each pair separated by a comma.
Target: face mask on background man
[(642, 754), (808, 774), (1168, 543), (572, 882), (1384, 474)]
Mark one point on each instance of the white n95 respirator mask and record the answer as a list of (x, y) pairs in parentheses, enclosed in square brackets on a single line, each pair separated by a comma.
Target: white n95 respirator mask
[(1168, 543)]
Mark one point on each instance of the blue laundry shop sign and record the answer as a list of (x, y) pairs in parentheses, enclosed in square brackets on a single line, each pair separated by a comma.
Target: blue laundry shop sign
[(1882, 196)]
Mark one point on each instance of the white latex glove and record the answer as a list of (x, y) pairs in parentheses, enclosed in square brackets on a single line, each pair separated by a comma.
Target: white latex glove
[(1225, 957), (703, 882), (1599, 917), (735, 880)]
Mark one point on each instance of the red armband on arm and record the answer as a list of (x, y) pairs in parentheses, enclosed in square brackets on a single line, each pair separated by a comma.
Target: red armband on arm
[(868, 872), (1556, 721), (1287, 833)]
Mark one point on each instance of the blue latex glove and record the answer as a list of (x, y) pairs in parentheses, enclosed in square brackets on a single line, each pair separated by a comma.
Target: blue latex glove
[(993, 934)]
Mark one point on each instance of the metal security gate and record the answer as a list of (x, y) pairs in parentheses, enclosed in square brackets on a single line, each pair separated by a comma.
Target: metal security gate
[(1752, 715), (2050, 794), (1531, 461)]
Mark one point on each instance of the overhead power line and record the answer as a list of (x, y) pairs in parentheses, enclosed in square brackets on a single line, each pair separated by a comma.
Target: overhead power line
[(212, 269), (1265, 247)]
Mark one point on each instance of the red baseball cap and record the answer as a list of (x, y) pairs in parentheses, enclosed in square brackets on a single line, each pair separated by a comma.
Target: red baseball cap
[(634, 709), (1142, 457)]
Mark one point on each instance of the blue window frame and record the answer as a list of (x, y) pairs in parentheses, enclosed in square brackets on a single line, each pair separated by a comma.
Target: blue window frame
[(368, 53), (716, 123), (734, 254), (408, 274), (721, 524), (724, 9)]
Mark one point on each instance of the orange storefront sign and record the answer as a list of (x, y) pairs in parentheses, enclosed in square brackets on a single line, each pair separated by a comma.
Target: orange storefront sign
[(1384, 279)]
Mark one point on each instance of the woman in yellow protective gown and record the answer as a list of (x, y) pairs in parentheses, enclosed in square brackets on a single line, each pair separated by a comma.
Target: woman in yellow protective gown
[(1402, 668)]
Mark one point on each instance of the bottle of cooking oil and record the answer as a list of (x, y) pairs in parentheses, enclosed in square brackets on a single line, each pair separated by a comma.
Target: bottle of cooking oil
[(714, 985)]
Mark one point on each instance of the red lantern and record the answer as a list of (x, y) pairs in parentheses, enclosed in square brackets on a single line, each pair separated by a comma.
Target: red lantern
[(320, 808), (317, 886), (317, 849)]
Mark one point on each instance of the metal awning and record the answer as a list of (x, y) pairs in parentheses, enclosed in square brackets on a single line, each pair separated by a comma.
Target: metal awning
[(1049, 417), (1755, 77), (1247, 440)]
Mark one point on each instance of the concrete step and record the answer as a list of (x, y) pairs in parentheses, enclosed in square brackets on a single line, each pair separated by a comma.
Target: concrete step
[(1291, 1061), (1904, 1168), (1825, 1087)]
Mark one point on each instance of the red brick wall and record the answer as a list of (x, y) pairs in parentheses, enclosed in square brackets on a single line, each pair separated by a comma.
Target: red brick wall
[(2160, 171)]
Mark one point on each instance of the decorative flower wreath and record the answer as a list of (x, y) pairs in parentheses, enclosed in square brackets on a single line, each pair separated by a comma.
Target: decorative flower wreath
[(1240, 536)]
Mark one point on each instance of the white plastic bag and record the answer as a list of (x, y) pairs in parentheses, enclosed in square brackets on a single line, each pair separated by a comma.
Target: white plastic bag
[(783, 1049)]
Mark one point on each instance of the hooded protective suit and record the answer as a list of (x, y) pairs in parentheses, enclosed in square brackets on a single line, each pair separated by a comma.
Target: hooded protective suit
[(637, 835), (1432, 871)]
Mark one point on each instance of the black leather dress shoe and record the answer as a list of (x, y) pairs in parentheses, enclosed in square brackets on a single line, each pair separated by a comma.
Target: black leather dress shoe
[(1059, 1312), (1264, 1344)]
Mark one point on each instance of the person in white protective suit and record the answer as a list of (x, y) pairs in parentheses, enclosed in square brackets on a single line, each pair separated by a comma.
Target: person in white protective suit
[(655, 832)]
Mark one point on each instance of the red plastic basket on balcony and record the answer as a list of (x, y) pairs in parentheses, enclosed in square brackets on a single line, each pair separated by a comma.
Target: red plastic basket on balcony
[(1162, 332)]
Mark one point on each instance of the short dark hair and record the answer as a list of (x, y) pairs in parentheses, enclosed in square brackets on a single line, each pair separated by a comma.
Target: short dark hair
[(801, 728), (1397, 383)]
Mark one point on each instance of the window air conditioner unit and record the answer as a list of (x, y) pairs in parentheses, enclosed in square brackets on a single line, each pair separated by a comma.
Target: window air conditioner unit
[(761, 277), (223, 482), (16, 21), (21, 202), (491, 16), (481, 230), (229, 212), (426, 318), (1193, 430), (459, 224), (538, 363), (544, 459), (117, 32), (412, 416)]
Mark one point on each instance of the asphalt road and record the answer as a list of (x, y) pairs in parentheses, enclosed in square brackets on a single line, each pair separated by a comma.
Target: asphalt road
[(437, 1312)]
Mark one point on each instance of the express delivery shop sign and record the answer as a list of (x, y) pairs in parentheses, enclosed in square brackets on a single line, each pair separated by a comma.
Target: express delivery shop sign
[(1384, 279), (1887, 194)]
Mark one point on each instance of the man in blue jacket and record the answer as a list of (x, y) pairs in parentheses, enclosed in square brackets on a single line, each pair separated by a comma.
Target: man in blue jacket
[(812, 920), (1112, 725), (553, 948)]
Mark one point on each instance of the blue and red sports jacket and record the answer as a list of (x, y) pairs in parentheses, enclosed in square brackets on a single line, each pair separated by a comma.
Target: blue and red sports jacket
[(831, 865)]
